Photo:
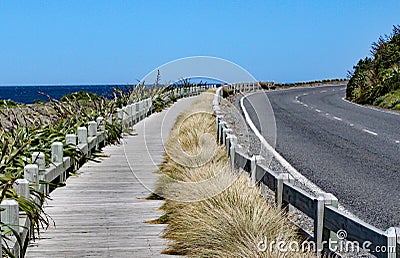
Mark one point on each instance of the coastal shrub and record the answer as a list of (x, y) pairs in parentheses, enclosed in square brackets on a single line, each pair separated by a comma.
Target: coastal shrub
[(376, 76)]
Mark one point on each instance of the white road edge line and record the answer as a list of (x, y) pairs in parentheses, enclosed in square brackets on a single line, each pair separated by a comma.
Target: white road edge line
[(292, 171), (370, 132)]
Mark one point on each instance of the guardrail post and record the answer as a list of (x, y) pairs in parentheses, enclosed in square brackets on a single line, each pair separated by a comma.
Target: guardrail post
[(216, 109), (254, 160), (232, 155), (222, 124), (392, 242), (82, 135), (218, 118), (92, 129), (253, 167), (31, 173), (21, 187), (280, 180), (39, 159), (330, 200), (231, 140), (319, 223), (225, 131)]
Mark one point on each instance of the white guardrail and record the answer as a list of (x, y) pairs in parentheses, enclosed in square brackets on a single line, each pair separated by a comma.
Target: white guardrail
[(87, 140), (323, 209)]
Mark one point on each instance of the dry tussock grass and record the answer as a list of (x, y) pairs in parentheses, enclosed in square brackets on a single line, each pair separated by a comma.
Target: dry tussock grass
[(227, 217)]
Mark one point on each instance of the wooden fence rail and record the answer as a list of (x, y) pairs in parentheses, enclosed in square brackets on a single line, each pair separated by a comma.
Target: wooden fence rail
[(329, 221), (87, 139)]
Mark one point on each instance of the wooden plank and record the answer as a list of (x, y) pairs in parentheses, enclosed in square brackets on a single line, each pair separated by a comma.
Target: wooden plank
[(92, 141), (242, 161), (299, 198), (266, 176), (356, 229)]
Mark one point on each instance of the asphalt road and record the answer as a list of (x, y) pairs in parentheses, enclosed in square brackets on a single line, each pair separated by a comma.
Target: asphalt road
[(345, 149)]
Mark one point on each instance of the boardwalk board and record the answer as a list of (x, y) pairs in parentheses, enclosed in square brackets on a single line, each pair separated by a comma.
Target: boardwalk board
[(100, 213)]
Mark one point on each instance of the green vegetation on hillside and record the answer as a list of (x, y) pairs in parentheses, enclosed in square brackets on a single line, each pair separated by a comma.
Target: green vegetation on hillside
[(376, 80), (307, 83)]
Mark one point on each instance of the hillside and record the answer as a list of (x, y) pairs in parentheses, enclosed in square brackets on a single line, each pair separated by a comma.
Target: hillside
[(375, 80)]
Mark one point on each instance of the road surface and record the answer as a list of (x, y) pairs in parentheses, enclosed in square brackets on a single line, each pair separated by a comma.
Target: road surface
[(346, 149)]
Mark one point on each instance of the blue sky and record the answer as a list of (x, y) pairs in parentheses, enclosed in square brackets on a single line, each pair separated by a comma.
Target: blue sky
[(107, 42)]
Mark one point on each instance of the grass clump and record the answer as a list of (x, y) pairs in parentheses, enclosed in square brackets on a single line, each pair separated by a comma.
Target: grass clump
[(211, 211)]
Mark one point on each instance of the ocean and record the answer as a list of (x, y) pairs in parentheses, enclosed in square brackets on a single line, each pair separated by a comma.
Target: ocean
[(28, 94)]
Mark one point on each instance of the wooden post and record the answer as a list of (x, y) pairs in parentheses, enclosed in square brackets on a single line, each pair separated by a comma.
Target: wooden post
[(10, 215), (216, 109), (392, 242), (39, 159), (218, 118), (57, 152), (222, 124), (330, 200), (254, 160), (100, 123), (92, 129), (280, 180), (129, 111), (125, 116), (225, 131), (253, 167), (319, 223), (137, 112), (21, 187), (31, 173), (230, 140), (232, 156), (82, 135), (71, 139)]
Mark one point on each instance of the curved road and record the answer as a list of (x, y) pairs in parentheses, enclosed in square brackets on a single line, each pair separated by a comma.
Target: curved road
[(348, 150)]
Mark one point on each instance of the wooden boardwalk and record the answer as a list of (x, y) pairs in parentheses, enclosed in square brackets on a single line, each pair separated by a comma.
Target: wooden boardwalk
[(99, 213)]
